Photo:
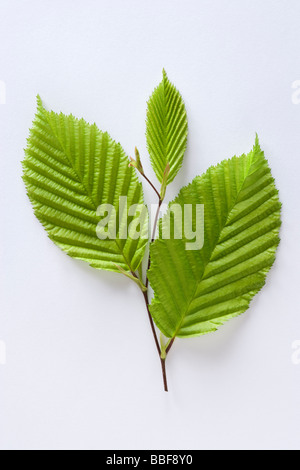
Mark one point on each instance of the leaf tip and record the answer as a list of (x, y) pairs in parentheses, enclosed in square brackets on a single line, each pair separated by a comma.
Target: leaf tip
[(39, 101), (257, 144), (164, 73)]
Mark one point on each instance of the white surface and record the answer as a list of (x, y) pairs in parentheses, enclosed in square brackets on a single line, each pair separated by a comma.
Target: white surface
[(81, 369)]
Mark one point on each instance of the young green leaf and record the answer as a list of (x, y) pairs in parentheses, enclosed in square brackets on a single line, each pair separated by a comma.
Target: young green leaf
[(70, 169), (197, 291), (166, 131)]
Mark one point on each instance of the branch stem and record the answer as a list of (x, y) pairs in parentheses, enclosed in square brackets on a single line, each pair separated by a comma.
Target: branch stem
[(146, 296), (170, 345), (162, 360), (163, 366), (151, 184)]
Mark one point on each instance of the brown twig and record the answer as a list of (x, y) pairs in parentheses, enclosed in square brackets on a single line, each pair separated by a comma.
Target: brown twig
[(151, 184), (170, 345), (146, 296)]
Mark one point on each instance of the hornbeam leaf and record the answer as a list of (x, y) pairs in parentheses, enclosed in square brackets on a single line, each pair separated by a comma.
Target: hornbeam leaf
[(70, 169), (197, 291), (166, 129)]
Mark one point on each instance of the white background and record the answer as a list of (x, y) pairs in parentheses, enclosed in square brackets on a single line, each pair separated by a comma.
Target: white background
[(82, 370)]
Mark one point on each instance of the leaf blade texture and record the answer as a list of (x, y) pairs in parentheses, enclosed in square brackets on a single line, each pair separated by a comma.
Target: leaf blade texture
[(70, 169), (197, 291), (166, 129)]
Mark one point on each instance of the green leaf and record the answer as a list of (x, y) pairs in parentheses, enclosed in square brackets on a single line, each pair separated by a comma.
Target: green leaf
[(70, 169), (197, 291), (166, 129)]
